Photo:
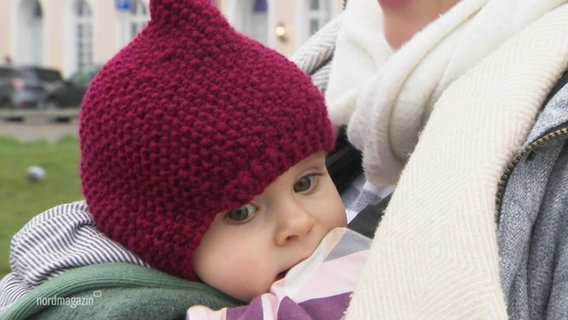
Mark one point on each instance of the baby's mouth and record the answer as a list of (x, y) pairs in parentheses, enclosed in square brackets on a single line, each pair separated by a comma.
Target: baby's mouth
[(281, 275)]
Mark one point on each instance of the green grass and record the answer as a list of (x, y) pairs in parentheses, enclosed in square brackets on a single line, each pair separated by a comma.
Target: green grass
[(20, 200)]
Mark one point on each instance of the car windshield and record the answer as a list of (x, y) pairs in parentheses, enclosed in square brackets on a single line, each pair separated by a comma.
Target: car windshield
[(84, 76), (5, 72), (49, 75)]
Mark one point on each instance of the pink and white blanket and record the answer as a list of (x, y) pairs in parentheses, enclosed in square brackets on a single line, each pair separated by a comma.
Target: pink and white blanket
[(319, 287)]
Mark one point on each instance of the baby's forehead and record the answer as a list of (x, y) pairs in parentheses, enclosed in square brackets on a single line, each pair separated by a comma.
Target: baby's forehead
[(315, 163)]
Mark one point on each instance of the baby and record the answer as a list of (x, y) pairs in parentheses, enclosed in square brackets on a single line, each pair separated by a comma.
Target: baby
[(203, 152)]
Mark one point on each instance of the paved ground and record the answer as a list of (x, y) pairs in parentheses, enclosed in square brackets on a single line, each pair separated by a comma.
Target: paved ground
[(29, 131)]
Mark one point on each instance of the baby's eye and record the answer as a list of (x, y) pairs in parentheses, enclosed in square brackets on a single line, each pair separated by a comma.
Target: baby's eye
[(305, 183), (242, 214)]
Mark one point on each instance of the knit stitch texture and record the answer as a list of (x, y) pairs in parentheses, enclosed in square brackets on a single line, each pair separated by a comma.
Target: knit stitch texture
[(188, 120)]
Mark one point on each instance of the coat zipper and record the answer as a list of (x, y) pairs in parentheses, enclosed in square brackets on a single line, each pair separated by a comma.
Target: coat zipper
[(531, 147)]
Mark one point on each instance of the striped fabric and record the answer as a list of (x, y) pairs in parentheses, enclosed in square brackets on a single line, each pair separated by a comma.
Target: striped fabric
[(360, 194), (53, 242), (315, 55)]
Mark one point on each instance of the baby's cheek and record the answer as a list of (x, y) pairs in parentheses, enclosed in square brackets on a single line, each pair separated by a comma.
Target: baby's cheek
[(247, 286)]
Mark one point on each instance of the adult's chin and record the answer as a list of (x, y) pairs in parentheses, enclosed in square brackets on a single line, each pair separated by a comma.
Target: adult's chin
[(394, 3)]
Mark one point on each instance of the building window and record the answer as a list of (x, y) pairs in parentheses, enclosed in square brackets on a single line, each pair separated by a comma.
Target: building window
[(137, 18), (36, 32), (132, 19), (259, 6), (254, 22), (260, 21), (29, 35), (319, 12), (37, 12), (84, 33)]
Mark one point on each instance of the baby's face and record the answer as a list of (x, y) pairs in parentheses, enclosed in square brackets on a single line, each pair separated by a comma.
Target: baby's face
[(247, 249)]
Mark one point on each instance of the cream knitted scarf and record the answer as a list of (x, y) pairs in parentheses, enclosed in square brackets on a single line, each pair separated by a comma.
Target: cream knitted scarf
[(478, 76), (386, 98)]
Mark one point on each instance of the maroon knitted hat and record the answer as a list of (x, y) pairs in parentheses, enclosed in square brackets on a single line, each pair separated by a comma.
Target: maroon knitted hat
[(190, 119)]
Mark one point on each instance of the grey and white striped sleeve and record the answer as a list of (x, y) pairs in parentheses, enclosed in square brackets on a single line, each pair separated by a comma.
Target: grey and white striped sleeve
[(53, 242)]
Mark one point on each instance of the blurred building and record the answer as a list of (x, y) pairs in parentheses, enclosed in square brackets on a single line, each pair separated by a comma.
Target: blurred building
[(69, 34)]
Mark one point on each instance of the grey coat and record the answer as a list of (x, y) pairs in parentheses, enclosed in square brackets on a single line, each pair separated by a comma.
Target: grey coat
[(533, 218)]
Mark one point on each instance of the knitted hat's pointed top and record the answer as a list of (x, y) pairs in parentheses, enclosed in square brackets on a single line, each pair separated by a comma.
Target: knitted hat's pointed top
[(179, 13), (189, 16), (189, 119)]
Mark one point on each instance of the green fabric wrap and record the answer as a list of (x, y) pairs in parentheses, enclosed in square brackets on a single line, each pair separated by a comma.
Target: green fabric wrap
[(115, 291)]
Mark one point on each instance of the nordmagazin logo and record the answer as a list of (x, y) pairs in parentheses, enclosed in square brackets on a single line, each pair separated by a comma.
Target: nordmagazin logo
[(71, 302)]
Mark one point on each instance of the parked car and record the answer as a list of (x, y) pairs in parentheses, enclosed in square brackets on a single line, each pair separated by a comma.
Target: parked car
[(69, 93), (23, 87), (6, 73)]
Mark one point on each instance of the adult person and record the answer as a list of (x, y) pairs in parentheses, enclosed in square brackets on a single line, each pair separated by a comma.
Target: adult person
[(463, 106), (436, 251)]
